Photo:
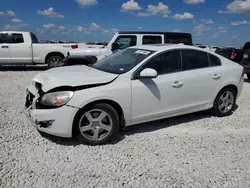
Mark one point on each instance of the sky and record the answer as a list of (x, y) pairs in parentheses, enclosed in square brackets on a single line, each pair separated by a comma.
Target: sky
[(211, 22)]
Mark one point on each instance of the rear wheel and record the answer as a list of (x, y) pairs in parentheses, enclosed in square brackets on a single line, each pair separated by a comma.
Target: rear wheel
[(55, 61), (248, 76), (97, 124), (224, 102)]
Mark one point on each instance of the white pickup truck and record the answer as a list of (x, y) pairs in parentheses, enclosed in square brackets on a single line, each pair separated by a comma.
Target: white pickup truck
[(122, 40), (23, 48)]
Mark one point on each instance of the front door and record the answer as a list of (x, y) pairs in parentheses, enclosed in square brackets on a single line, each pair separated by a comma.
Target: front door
[(4, 48), (20, 52), (160, 96)]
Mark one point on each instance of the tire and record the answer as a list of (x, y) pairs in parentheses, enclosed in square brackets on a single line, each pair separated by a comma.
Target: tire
[(55, 61), (248, 76), (229, 103), (93, 132)]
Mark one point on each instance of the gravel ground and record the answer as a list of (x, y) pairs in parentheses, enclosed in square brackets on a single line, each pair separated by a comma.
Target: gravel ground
[(194, 150)]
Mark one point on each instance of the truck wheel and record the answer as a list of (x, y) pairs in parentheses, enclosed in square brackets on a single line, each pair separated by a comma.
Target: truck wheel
[(248, 76), (55, 61)]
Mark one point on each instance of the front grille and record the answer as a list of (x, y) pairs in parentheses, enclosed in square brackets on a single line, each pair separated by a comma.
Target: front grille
[(29, 99)]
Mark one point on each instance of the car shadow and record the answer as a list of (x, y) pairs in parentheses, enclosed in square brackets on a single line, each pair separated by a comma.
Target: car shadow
[(23, 68)]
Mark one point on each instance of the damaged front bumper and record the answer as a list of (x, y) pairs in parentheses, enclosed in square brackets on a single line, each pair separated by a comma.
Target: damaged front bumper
[(57, 121)]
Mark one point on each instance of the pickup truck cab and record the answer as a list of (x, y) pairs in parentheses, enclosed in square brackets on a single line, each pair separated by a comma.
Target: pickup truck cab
[(23, 48), (122, 40)]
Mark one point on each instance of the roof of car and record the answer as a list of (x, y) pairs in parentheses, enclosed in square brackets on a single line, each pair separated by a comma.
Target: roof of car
[(163, 47), (14, 32), (150, 32)]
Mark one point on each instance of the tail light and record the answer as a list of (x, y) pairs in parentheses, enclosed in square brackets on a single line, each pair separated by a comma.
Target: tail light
[(233, 55), (74, 46)]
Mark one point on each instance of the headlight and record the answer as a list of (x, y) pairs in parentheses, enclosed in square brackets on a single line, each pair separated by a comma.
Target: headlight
[(56, 99), (245, 56)]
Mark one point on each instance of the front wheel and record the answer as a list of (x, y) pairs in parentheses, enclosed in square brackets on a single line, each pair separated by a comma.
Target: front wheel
[(98, 124), (224, 102), (248, 76), (55, 61)]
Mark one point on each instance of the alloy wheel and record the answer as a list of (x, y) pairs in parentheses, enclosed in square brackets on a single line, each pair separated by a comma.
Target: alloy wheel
[(226, 102), (95, 125)]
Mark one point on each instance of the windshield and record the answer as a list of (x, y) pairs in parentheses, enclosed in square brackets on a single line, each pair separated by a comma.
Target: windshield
[(122, 61)]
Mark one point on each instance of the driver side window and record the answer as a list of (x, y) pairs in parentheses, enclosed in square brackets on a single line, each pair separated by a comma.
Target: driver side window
[(167, 62), (125, 41)]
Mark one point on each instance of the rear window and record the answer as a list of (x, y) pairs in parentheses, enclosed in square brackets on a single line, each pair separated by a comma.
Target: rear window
[(213, 60), (151, 40), (176, 38), (17, 38)]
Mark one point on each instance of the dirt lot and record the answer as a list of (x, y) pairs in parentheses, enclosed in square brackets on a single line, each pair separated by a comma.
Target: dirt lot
[(194, 150)]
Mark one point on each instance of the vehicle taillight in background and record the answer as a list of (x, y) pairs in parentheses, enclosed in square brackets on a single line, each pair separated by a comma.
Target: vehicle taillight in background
[(233, 55), (74, 46)]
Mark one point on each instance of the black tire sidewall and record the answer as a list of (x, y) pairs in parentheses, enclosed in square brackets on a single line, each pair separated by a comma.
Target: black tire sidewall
[(48, 61), (215, 109), (115, 120)]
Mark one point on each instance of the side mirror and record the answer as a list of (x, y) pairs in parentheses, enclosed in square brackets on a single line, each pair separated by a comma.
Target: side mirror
[(114, 46), (148, 73)]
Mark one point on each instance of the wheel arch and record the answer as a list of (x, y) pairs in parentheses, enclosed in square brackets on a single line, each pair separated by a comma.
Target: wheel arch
[(51, 54), (112, 103), (233, 86)]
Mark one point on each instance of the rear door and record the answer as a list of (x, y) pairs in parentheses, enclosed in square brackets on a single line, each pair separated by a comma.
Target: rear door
[(4, 48), (202, 75), (20, 50)]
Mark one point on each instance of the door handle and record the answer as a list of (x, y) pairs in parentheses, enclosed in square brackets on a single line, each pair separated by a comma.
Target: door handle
[(216, 77), (177, 84), (5, 46)]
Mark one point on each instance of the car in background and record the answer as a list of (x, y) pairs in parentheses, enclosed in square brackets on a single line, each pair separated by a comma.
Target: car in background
[(214, 48), (240, 56), (246, 59), (122, 40), (203, 47), (23, 48), (135, 85)]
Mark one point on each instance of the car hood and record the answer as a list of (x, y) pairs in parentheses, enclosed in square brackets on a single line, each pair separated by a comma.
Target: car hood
[(72, 76)]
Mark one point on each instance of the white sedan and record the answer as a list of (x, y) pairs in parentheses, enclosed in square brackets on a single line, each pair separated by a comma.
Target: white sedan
[(135, 85)]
